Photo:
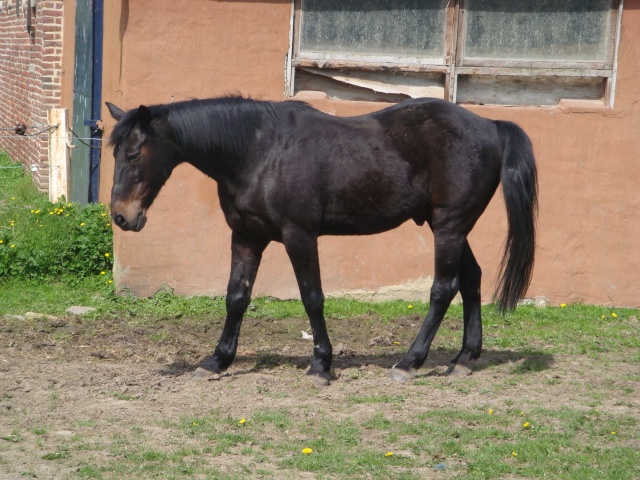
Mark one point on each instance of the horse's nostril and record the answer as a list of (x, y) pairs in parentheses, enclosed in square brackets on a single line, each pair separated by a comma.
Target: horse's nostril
[(119, 219)]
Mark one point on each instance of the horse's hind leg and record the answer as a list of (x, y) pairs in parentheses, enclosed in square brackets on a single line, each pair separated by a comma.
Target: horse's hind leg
[(245, 259), (448, 253), (470, 275), (302, 249)]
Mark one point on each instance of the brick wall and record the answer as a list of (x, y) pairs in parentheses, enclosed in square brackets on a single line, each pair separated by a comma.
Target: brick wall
[(30, 79)]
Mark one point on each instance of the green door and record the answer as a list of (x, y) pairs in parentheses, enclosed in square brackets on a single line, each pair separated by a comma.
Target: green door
[(85, 157), (82, 89)]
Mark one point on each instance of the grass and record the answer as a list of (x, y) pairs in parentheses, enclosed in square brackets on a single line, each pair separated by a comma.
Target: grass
[(44, 240), (566, 443)]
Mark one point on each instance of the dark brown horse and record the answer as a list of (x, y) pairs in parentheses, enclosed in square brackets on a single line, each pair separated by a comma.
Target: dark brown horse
[(289, 173)]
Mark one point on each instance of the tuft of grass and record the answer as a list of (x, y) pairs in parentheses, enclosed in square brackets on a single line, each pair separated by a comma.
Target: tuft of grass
[(14, 437), (393, 399)]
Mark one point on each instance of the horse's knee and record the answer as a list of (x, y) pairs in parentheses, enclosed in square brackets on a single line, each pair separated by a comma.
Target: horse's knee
[(237, 303), (313, 300)]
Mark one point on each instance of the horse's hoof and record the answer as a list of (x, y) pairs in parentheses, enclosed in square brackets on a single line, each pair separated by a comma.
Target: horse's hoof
[(457, 370), (318, 380), (204, 374), (400, 375)]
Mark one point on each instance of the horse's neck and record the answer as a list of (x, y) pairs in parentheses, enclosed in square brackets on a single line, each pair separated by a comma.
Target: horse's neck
[(219, 140)]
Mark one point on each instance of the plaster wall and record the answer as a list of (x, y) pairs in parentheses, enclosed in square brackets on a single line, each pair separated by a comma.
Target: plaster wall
[(589, 218)]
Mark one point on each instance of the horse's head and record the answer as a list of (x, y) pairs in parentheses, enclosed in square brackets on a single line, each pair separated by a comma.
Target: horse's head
[(145, 155)]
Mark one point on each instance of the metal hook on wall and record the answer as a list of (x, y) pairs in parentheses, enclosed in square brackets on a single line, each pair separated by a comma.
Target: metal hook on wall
[(30, 8)]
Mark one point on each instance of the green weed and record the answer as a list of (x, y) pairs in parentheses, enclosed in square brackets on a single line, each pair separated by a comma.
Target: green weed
[(43, 240)]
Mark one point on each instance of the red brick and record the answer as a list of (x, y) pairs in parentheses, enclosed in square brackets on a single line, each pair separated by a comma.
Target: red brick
[(30, 80)]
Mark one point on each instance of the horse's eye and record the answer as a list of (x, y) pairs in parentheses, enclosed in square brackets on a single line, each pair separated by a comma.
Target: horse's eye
[(132, 157)]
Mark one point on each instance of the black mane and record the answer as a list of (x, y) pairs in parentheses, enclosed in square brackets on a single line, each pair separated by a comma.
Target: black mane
[(206, 127), (221, 125)]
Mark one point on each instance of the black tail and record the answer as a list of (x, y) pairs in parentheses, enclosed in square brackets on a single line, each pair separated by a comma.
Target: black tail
[(520, 188)]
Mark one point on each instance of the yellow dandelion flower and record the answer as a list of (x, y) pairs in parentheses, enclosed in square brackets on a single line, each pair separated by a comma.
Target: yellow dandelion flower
[(613, 433), (526, 425), (614, 315), (110, 281), (108, 224), (82, 224), (12, 223), (242, 421), (37, 212), (515, 454), (104, 215), (602, 316), (396, 343), (521, 413), (490, 411), (388, 454), (1, 241), (562, 305), (103, 273), (32, 211), (307, 451), (13, 246), (409, 307), (107, 254)]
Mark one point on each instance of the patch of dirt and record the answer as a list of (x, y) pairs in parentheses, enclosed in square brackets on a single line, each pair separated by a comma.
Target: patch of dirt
[(99, 379)]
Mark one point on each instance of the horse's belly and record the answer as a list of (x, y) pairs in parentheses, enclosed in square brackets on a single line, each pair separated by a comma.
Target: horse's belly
[(365, 218)]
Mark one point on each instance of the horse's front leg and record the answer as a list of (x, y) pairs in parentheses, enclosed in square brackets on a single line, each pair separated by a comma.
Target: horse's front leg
[(302, 249), (246, 254)]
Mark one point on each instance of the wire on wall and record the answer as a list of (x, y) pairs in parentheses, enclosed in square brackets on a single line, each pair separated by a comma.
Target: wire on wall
[(43, 131)]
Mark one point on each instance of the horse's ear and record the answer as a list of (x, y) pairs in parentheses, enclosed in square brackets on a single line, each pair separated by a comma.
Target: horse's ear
[(116, 112), (144, 116)]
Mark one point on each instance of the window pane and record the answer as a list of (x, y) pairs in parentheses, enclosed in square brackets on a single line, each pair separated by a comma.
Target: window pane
[(538, 30), (378, 27), (509, 90)]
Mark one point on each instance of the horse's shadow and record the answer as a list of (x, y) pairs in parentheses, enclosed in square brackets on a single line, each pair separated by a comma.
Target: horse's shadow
[(522, 362)]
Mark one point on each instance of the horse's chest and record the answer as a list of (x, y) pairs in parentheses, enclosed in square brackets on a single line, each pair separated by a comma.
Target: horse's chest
[(244, 213)]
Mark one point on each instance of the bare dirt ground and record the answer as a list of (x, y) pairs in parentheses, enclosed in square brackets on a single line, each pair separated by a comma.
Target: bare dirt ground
[(97, 379)]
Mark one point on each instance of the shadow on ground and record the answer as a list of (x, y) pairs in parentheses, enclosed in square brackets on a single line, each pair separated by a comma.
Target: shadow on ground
[(438, 360)]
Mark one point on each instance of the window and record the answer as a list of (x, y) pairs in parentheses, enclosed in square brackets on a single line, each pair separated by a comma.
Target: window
[(509, 52)]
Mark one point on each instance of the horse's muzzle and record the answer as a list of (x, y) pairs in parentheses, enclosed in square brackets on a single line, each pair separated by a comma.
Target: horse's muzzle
[(135, 224)]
